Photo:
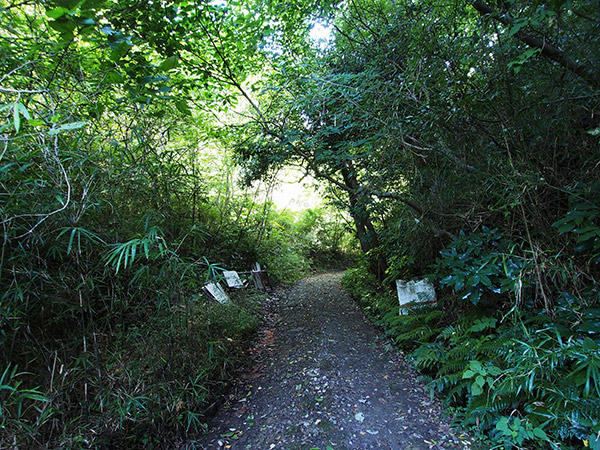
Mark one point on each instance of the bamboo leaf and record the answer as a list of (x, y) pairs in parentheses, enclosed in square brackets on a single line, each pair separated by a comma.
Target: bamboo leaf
[(67, 127), (16, 118), (23, 110), (71, 240)]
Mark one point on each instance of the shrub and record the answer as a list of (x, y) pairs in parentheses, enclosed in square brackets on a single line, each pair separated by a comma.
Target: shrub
[(515, 375)]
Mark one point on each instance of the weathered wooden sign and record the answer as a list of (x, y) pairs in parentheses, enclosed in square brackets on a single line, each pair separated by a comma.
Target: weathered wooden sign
[(414, 293), (215, 291)]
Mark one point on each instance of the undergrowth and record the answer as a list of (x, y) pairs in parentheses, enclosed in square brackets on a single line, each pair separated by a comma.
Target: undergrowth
[(142, 383), (515, 374)]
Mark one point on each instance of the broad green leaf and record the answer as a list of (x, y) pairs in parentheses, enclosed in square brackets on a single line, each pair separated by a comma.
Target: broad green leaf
[(494, 371), (480, 380), (502, 425), (468, 374), (539, 433), (169, 63), (182, 107), (590, 344), (532, 51), (564, 225), (63, 26), (119, 50), (588, 233), (517, 27), (476, 389), (55, 13), (594, 441), (475, 365)]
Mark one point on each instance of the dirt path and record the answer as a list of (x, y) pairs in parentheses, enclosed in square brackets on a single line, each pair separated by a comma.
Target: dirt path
[(325, 378)]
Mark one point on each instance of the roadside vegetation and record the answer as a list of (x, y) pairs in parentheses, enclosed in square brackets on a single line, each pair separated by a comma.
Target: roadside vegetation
[(495, 200)]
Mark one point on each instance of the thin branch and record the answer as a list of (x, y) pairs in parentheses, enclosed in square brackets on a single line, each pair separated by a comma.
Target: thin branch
[(547, 49), (44, 216), (23, 91), (16, 69)]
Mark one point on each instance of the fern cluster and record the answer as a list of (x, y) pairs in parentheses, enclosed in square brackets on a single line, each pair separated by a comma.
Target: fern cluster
[(514, 384)]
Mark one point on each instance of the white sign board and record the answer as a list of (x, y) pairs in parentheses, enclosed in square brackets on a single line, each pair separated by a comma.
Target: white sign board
[(217, 292), (233, 279), (258, 280), (411, 293)]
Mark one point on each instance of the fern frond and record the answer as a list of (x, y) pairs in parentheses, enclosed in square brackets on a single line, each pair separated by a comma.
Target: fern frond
[(456, 366)]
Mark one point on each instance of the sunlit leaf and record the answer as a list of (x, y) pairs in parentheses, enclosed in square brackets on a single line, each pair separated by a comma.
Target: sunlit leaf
[(169, 63), (67, 127), (55, 13)]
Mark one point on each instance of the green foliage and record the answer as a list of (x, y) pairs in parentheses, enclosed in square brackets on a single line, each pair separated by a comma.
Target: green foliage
[(116, 201), (513, 430), (22, 410), (123, 255), (423, 119), (478, 265), (424, 128), (361, 284), (163, 373), (582, 220), (482, 376), (527, 383), (518, 378), (286, 262)]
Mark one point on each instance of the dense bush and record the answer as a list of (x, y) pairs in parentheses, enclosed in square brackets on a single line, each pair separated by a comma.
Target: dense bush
[(103, 339)]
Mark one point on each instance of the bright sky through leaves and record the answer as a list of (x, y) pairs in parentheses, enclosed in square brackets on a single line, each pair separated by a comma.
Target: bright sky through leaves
[(321, 34), (295, 191)]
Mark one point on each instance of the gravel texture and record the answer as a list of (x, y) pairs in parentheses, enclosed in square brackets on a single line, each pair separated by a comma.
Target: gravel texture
[(325, 378)]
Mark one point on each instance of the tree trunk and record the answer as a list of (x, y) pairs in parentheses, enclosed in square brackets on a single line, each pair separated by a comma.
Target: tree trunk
[(365, 231)]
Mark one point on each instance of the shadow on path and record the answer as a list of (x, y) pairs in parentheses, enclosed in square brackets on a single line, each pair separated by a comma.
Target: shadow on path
[(325, 378)]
